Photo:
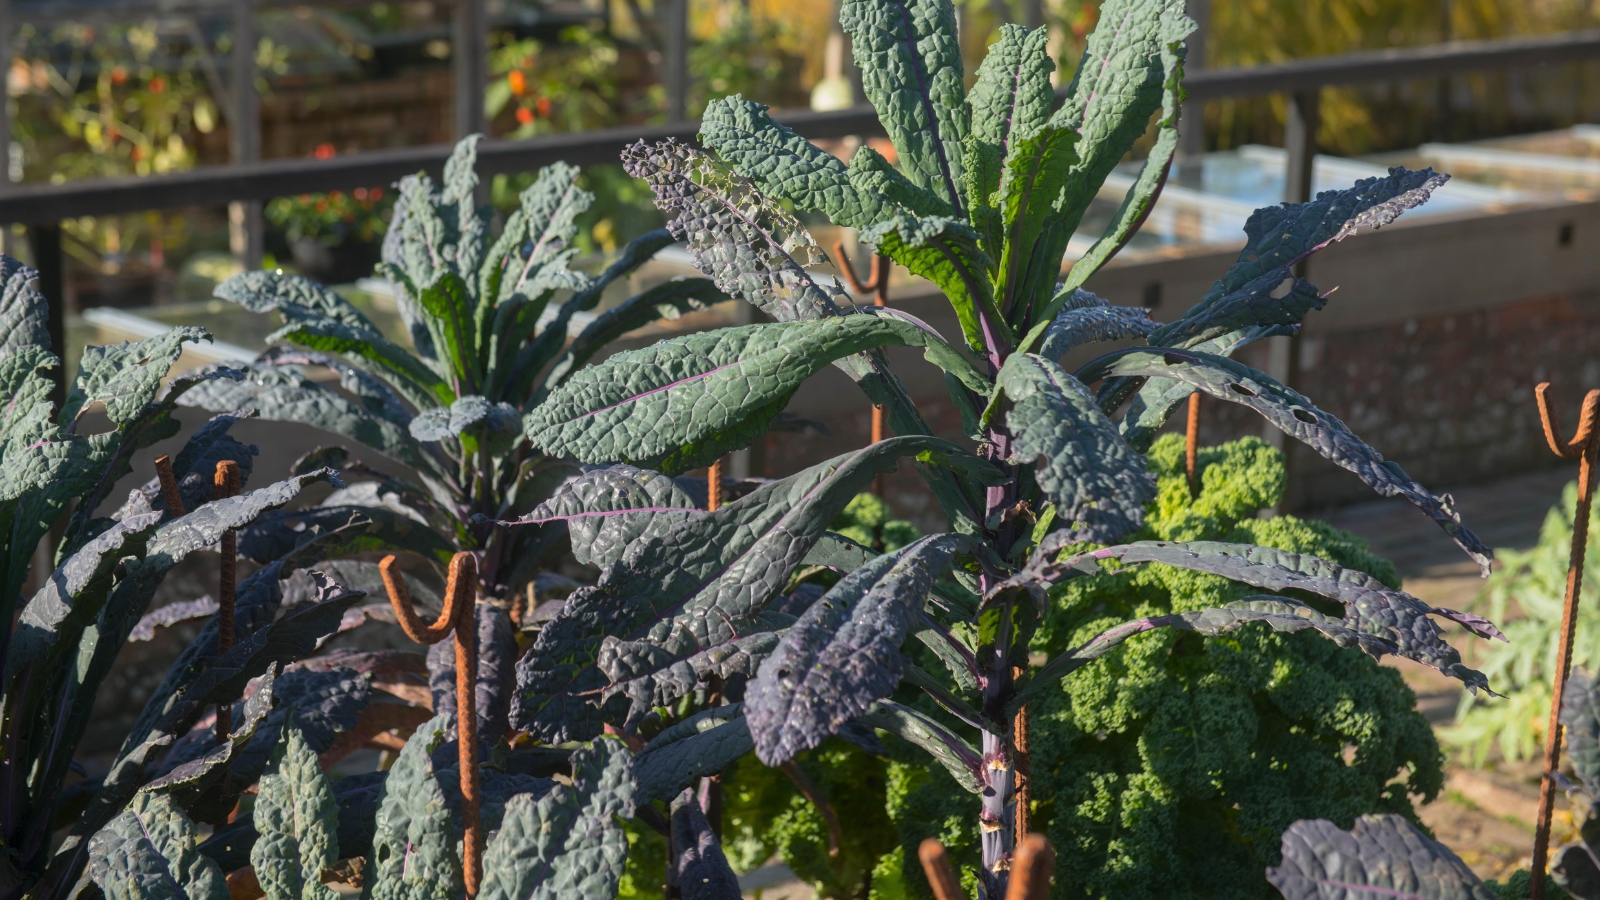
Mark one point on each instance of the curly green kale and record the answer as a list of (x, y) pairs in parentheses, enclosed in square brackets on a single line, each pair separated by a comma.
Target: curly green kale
[(867, 521), (1169, 768)]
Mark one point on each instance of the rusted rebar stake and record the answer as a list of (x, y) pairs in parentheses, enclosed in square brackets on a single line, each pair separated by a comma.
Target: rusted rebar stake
[(714, 486), (1019, 741), (1583, 447), (224, 484), (1031, 868), (941, 876), (1191, 446), (878, 286), (459, 617), (169, 488)]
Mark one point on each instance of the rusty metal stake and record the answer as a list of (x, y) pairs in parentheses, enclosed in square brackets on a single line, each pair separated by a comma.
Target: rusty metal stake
[(1191, 446), (714, 485), (941, 876), (1583, 446), (169, 488), (225, 484), (878, 287), (458, 616), (1019, 740), (1031, 869)]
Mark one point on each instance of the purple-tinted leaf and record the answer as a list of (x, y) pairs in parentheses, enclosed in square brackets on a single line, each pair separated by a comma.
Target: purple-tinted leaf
[(206, 524), (702, 584), (752, 248), (608, 509), (702, 744), (1086, 318), (359, 529), (172, 614), (290, 638), (844, 652), (280, 393), (699, 869), (1277, 237), (186, 781), (1297, 417), (1383, 856), (1276, 300), (649, 679), (1370, 606), (496, 681), (1098, 483), (375, 395)]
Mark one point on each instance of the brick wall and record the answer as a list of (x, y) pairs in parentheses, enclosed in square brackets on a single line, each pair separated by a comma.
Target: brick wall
[(1449, 397)]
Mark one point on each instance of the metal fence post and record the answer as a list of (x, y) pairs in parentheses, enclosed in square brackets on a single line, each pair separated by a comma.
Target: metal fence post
[(245, 235), (1191, 127), (470, 58), (675, 58), (5, 99), (1300, 146)]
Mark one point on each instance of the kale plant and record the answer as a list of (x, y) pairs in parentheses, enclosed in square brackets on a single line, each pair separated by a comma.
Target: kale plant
[(697, 644), (488, 318), (987, 190), (551, 839), (58, 646)]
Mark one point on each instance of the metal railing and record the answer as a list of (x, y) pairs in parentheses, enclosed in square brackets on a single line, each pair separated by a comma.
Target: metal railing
[(43, 207)]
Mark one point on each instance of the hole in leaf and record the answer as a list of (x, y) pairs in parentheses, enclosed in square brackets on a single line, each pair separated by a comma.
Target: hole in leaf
[(1283, 289), (1304, 415), (1238, 388)]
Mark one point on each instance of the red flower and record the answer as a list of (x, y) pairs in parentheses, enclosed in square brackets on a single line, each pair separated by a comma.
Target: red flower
[(157, 85), (324, 151), (518, 82), (119, 75), (524, 115), (542, 108)]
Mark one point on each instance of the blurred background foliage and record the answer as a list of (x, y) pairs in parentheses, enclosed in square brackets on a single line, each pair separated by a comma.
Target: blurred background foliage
[(148, 93)]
